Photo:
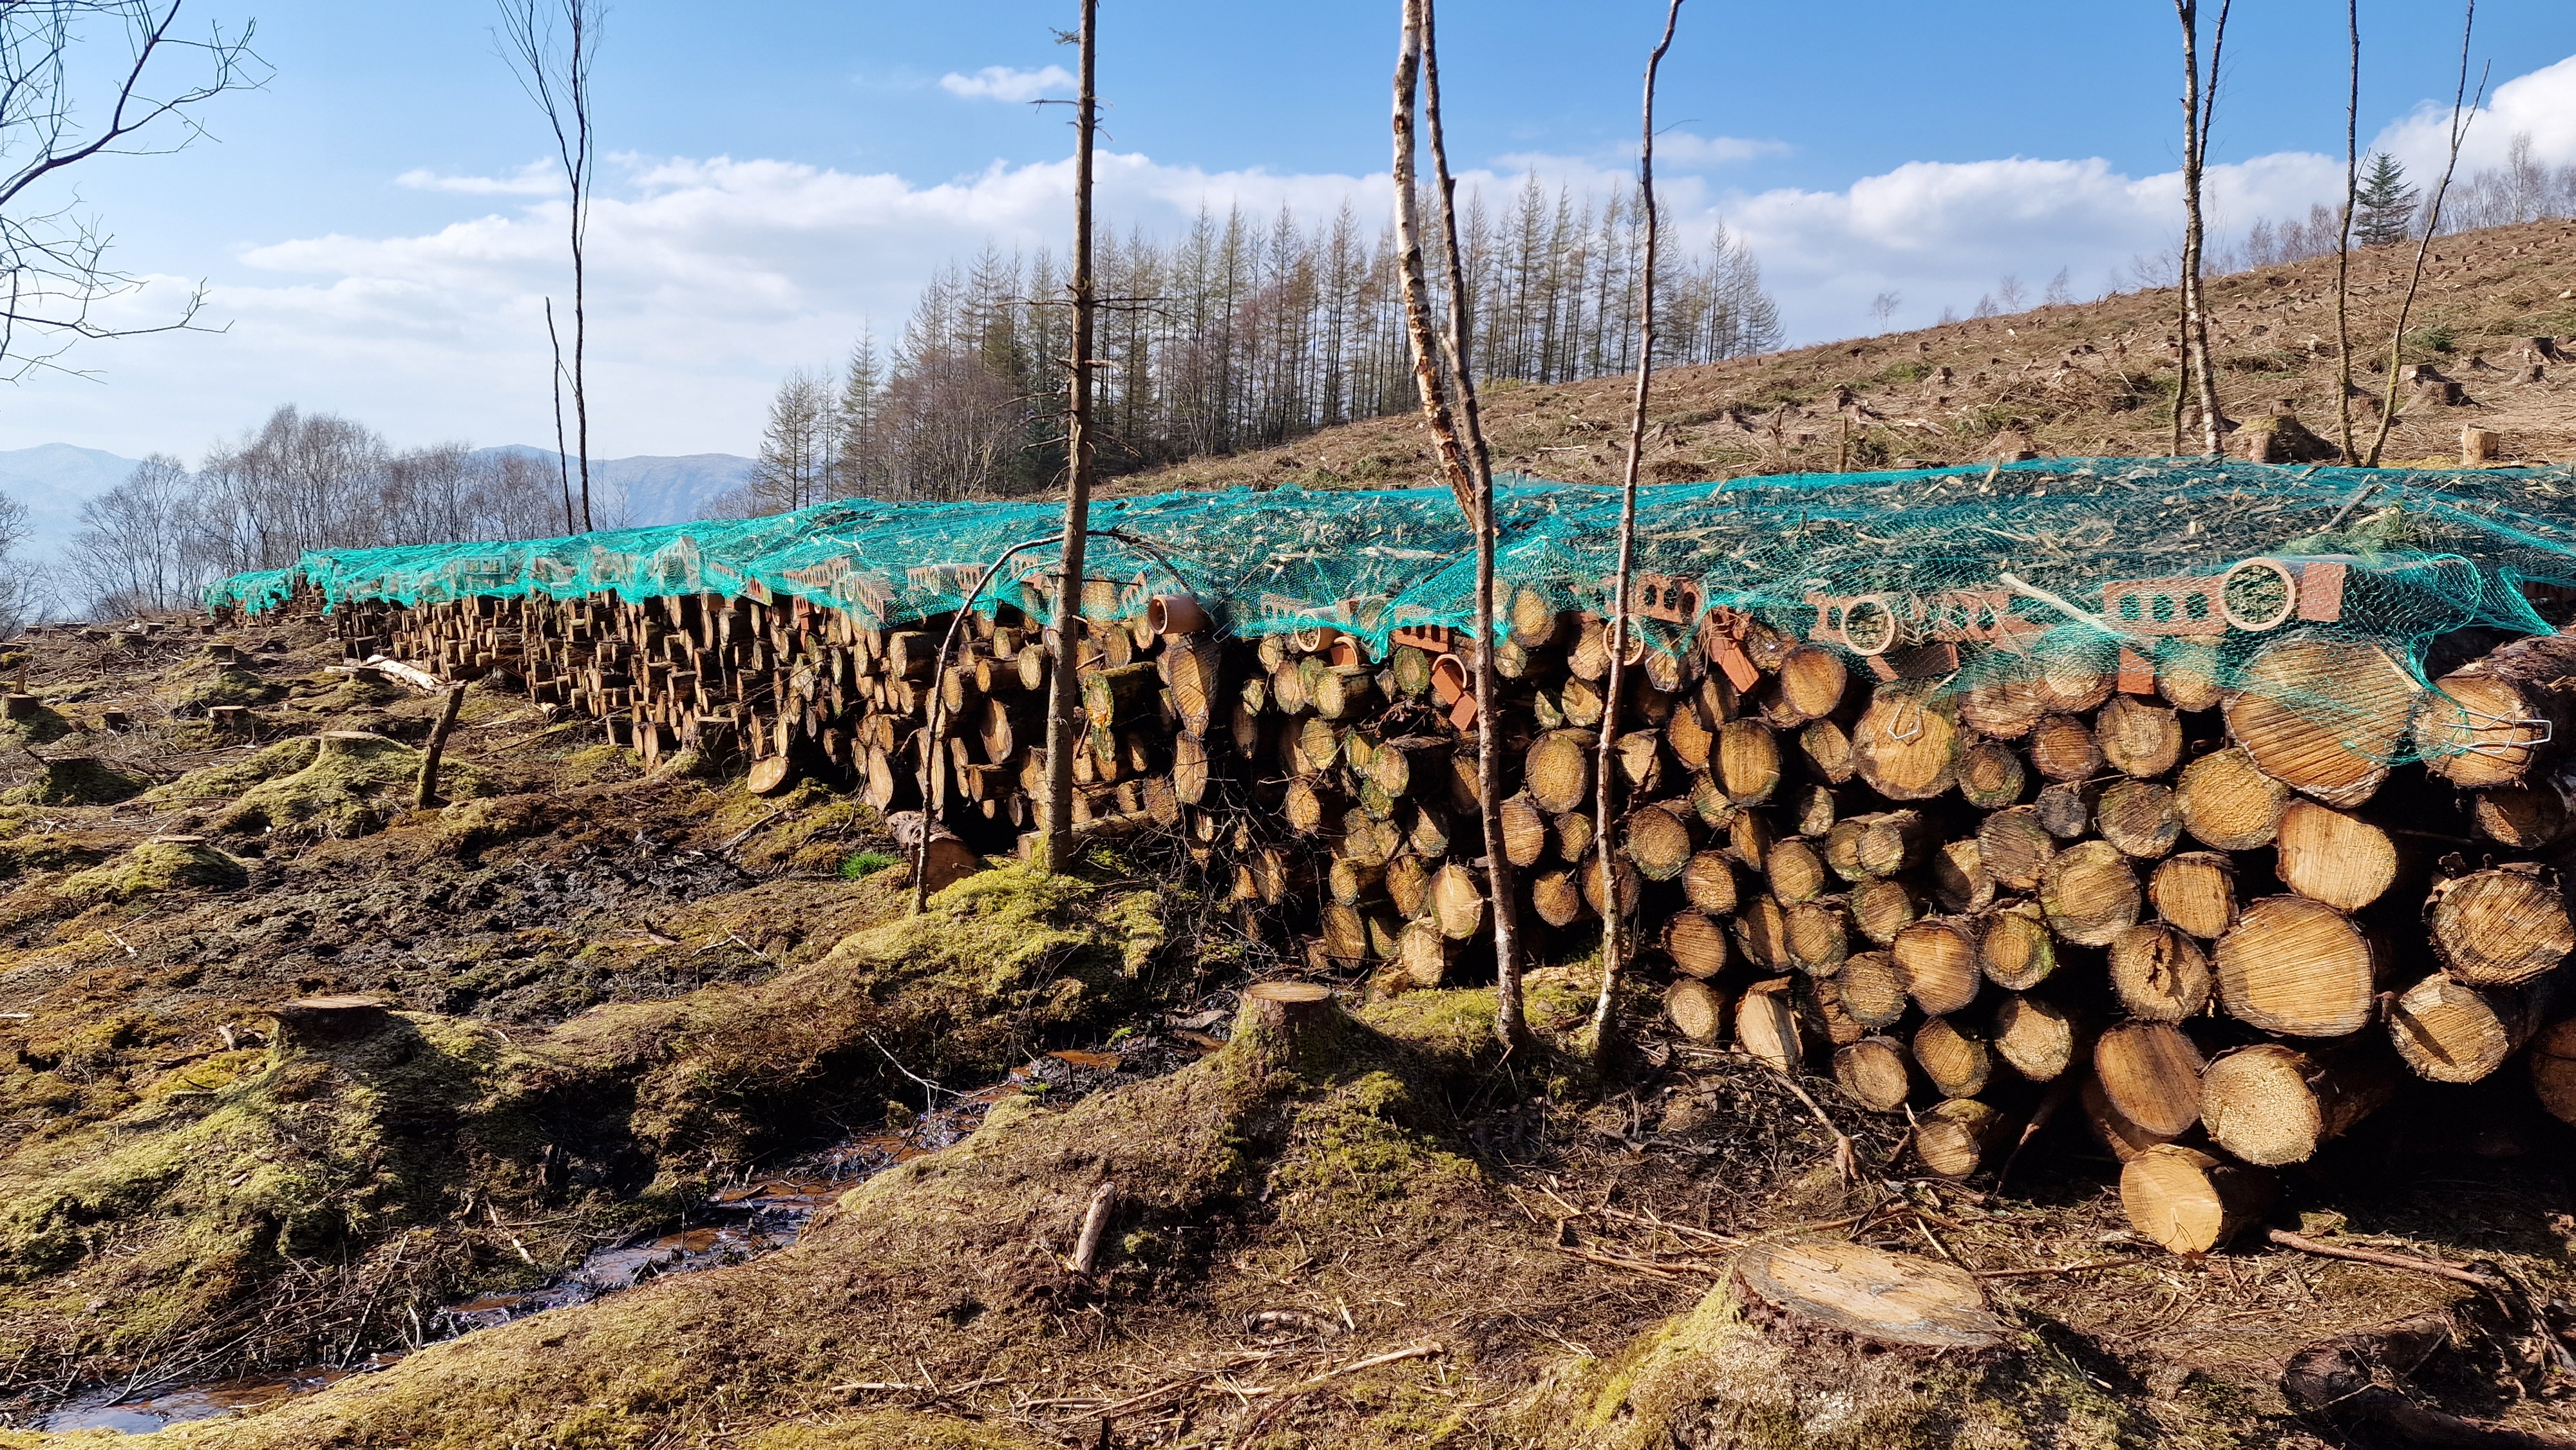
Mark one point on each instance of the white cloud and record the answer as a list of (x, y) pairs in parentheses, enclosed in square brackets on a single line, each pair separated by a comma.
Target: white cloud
[(710, 276), (537, 178), (1681, 148), (1003, 83), (2541, 104)]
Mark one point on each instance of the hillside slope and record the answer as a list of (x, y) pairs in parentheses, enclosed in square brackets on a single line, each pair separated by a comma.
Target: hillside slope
[(2092, 378)]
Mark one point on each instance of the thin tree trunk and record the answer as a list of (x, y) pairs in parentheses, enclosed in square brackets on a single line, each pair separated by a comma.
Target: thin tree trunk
[(563, 464), (1065, 689), (1604, 1011), (425, 786), (2343, 241), (1471, 475), (2198, 102), (2462, 110), (580, 89), (2214, 444)]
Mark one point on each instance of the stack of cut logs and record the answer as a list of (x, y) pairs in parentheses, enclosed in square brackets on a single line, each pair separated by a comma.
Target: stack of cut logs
[(2220, 921)]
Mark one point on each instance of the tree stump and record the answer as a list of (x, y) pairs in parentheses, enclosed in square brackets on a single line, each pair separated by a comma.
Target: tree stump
[(322, 1021), (1285, 1021), (1889, 1299)]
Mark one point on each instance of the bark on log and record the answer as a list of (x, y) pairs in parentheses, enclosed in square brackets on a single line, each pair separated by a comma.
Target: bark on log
[(2270, 1104)]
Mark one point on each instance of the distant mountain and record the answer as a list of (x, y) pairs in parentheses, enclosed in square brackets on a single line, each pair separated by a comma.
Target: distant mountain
[(53, 480), (651, 490)]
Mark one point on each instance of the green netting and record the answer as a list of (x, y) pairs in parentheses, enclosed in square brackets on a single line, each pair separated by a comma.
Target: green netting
[(1976, 568)]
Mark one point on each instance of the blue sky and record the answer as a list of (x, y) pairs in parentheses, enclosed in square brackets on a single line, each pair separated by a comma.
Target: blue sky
[(372, 235)]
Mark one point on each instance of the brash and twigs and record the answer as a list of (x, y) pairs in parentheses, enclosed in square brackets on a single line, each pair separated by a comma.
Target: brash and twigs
[(1095, 1220), (2385, 1260), (2336, 1381)]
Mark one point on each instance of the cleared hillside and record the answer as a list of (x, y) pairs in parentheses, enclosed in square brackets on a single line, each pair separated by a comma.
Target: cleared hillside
[(2093, 378)]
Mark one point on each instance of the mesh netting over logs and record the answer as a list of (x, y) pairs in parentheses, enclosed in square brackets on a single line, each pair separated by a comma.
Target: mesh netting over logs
[(1953, 576)]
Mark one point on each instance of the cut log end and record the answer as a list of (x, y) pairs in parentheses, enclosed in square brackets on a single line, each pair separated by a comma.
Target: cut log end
[(1882, 1298)]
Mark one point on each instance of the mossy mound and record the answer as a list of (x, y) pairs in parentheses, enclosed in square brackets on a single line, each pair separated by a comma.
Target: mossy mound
[(56, 851), (42, 725), (80, 780), (200, 685), (157, 866), (353, 785), (227, 781), (178, 1212)]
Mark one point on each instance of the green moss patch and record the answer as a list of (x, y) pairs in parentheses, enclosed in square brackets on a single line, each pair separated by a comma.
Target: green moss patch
[(353, 785), (201, 685), (157, 866), (80, 780)]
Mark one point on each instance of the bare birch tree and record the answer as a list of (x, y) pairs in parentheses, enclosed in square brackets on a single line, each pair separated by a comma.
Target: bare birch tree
[(55, 74), (550, 45), (2199, 102), (1613, 944), (1063, 695), (1466, 463), (2343, 237), (2464, 108)]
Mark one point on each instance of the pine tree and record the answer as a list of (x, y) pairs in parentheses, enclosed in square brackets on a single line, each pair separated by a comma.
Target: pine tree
[(861, 411), (2385, 205)]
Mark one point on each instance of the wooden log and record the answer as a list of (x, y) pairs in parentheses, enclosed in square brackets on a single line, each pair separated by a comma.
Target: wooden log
[(1766, 1025), (1869, 1294), (2553, 1070), (1709, 884), (1119, 696), (1881, 909), (2228, 804), (2190, 1202), (1557, 771), (2140, 817), (1691, 734), (2449, 1031), (1958, 880), (2014, 947), (1747, 761), (1938, 965), (2270, 1104), (2327, 855), (2014, 849), (1817, 935), (1762, 933), (2487, 723), (1906, 745), (1696, 944), (2004, 706), (2064, 808), (2062, 747), (1343, 692), (2125, 1139), (2323, 714), (2188, 672), (1572, 833), (1811, 811), (1991, 775), (770, 775), (1457, 902), (1871, 989), (2195, 893), (1809, 686), (323, 1022), (2138, 739), (2037, 1037), (1600, 879), (2158, 974), (1874, 1072), (1796, 870), (1525, 831), (1342, 933), (1954, 1136), (1639, 756), (1749, 839), (1310, 805), (1660, 839), (1696, 1010), (1557, 898), (2090, 893), (2151, 1073), (2499, 926), (2297, 967), (2520, 817), (1411, 763), (1828, 750), (1956, 1063)]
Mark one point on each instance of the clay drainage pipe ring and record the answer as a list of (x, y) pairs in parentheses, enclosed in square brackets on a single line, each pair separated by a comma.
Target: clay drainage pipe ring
[(1175, 614)]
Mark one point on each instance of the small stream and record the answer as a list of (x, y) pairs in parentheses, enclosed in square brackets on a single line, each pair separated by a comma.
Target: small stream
[(755, 1217)]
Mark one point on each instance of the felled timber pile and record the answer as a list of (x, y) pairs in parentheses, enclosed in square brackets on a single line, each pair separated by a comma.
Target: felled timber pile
[(2227, 922)]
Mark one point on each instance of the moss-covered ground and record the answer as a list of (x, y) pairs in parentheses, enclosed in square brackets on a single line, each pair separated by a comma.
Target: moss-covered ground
[(615, 995)]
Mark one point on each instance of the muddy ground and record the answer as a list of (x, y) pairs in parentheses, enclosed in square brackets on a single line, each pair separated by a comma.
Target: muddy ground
[(624, 1000)]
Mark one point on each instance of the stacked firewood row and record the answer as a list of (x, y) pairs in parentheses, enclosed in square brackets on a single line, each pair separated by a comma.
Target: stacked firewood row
[(2223, 923)]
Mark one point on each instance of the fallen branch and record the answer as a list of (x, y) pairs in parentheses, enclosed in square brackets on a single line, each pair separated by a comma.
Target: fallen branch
[(421, 680), (2408, 1262), (1426, 1348), (2057, 1269), (1095, 1219)]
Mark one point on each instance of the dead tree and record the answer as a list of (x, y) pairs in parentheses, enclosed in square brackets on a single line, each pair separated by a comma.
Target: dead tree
[(557, 77), (1064, 694), (2463, 109), (1471, 471), (1605, 773), (54, 274), (2343, 239), (2199, 101)]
